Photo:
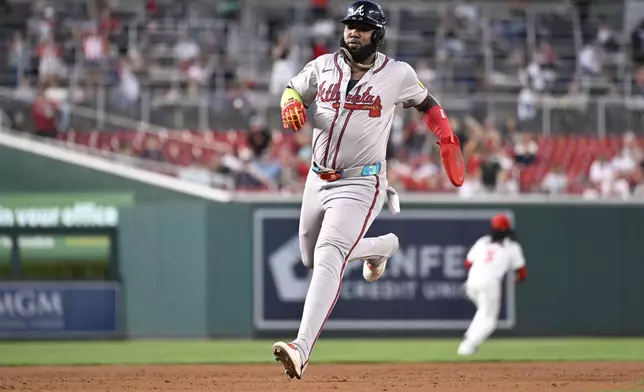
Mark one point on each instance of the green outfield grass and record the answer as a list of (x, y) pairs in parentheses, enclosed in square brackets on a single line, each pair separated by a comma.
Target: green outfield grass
[(327, 350)]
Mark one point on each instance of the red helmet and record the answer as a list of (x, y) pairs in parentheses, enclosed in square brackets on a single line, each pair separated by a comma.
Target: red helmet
[(501, 222)]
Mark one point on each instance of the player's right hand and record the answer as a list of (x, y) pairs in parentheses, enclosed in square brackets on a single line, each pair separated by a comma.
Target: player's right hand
[(293, 115)]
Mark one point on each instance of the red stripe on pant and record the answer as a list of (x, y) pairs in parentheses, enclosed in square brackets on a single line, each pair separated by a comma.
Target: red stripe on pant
[(344, 265)]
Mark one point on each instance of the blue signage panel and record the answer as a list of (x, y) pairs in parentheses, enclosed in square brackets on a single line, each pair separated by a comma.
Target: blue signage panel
[(59, 309), (422, 288)]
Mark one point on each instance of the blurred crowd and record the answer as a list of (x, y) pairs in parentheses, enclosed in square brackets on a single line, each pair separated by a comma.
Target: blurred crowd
[(500, 160), (60, 59), (510, 162), (71, 56)]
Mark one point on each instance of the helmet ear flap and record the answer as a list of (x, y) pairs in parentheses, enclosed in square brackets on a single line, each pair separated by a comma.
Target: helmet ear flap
[(378, 36)]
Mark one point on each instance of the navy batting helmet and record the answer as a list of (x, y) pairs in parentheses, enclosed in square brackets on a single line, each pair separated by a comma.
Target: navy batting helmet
[(370, 13)]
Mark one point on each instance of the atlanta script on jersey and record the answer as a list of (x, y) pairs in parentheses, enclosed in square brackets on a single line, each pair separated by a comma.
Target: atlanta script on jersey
[(352, 128)]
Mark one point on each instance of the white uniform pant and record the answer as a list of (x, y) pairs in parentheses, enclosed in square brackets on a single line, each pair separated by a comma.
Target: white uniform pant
[(334, 218), (487, 299)]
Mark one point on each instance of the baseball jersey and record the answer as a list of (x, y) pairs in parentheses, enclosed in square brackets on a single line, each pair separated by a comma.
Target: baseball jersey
[(492, 260), (351, 128)]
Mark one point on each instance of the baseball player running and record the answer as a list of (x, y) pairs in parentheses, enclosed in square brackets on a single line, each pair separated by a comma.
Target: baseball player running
[(356, 91), (488, 261)]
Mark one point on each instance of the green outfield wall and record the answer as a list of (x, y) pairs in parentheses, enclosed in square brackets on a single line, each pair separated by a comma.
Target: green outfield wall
[(188, 268), (196, 268)]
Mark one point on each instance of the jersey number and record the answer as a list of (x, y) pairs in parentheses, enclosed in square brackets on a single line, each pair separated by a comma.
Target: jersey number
[(489, 256)]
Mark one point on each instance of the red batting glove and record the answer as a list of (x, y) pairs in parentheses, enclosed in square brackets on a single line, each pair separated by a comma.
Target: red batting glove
[(293, 115), (452, 159), (451, 155)]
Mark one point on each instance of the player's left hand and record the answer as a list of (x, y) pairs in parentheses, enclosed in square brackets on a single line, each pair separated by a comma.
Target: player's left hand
[(453, 159), (293, 115)]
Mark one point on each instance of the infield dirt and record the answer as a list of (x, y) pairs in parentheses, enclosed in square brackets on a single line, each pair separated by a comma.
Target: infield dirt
[(470, 377)]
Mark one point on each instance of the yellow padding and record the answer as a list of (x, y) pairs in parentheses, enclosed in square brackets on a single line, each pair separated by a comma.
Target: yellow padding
[(288, 94)]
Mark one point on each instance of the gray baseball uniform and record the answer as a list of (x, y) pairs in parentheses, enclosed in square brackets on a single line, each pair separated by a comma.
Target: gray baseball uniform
[(351, 131)]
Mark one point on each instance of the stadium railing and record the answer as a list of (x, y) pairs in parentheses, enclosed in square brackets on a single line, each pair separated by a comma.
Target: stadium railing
[(542, 114)]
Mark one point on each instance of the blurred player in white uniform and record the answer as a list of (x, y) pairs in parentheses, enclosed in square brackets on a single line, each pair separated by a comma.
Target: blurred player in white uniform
[(488, 261)]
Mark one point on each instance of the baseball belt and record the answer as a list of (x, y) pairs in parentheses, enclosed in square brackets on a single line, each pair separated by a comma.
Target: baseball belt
[(331, 175)]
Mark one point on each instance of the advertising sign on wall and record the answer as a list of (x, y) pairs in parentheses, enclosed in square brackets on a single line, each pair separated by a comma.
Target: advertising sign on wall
[(422, 288), (60, 309), (62, 209)]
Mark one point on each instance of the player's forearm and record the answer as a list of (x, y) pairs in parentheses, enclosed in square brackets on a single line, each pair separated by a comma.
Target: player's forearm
[(435, 117), (289, 94)]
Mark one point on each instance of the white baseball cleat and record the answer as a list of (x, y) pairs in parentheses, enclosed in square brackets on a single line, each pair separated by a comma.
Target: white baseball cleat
[(465, 349), (290, 358), (374, 266)]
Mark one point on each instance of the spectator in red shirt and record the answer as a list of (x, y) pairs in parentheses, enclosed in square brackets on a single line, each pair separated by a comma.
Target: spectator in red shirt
[(106, 23), (319, 47), (152, 7), (45, 115)]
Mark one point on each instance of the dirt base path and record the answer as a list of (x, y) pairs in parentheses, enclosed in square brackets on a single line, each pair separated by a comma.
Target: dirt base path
[(470, 377)]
